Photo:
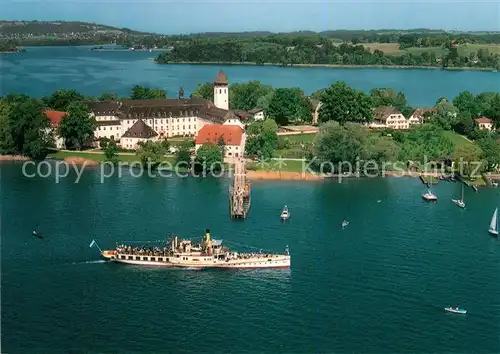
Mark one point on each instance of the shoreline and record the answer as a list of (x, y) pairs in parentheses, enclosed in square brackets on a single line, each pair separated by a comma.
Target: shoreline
[(331, 66)]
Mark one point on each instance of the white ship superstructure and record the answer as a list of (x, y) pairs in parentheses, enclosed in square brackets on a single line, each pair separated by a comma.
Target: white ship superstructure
[(209, 253)]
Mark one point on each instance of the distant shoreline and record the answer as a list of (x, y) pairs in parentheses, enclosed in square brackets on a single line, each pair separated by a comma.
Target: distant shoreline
[(333, 66)]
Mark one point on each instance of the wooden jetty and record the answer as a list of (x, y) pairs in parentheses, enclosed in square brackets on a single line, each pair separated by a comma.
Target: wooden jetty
[(239, 192)]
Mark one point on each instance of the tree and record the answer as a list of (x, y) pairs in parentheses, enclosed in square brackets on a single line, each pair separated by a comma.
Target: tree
[(151, 153), (262, 139), (205, 91), (209, 157), (388, 97), (29, 127), (425, 142), (490, 151), (264, 101), (337, 145), (445, 115), (465, 124), (145, 93), (103, 142), (493, 111), (77, 127), (111, 152), (343, 104), (222, 145), (61, 99), (108, 96), (289, 104), (466, 102), (246, 95), (183, 155), (6, 141), (465, 159)]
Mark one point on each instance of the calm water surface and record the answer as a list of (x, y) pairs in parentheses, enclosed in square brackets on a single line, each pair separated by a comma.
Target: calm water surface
[(42, 70), (377, 287)]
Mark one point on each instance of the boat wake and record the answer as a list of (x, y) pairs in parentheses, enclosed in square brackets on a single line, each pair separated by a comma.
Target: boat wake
[(91, 262)]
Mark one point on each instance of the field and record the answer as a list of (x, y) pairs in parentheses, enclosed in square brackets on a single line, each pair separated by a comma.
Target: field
[(460, 141), (465, 49)]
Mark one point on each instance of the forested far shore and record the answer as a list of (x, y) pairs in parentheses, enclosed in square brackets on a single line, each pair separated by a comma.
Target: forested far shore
[(324, 51)]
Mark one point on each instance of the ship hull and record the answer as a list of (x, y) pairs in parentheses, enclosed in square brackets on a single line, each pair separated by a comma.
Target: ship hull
[(274, 262)]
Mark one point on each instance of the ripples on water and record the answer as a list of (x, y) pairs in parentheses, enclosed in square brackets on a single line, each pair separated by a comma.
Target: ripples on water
[(378, 286)]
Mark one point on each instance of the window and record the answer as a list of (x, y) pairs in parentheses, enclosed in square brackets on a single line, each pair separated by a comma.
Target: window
[(144, 258), (153, 259), (160, 259), (220, 90), (130, 257), (137, 258), (122, 257)]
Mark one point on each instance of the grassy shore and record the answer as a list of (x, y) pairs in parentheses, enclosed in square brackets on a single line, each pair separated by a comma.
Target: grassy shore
[(99, 156)]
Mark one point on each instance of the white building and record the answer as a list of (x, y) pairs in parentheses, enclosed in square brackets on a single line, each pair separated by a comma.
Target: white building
[(484, 123), (388, 117), (257, 113), (417, 117), (168, 117), (137, 133), (221, 91), (55, 118)]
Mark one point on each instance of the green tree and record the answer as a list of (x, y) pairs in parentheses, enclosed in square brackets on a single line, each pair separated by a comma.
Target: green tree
[(465, 124), (343, 104), (337, 145), (222, 145), (183, 155), (6, 141), (103, 142), (262, 139), (209, 158), (29, 127), (146, 93), (108, 96), (205, 91), (288, 105), (111, 152), (493, 111), (465, 159), (151, 153), (490, 151), (246, 95), (445, 115), (264, 101), (61, 99), (466, 102), (77, 127)]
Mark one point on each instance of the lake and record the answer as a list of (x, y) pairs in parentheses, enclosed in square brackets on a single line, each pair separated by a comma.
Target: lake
[(42, 70), (379, 286)]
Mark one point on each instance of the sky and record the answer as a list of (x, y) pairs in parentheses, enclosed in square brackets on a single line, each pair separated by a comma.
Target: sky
[(191, 16)]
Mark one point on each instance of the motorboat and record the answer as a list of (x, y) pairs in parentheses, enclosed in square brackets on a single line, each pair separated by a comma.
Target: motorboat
[(429, 196), (345, 223), (285, 214), (456, 310)]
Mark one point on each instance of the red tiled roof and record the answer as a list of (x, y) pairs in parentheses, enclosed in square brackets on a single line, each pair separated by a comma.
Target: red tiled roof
[(210, 133), (55, 116), (483, 120)]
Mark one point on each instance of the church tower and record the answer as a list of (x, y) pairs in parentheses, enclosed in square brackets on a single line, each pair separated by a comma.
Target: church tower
[(221, 91)]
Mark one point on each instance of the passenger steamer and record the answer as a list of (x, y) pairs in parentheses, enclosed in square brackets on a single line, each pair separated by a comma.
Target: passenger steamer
[(209, 253)]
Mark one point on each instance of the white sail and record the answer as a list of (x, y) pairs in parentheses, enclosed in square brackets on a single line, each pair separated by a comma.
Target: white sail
[(494, 223)]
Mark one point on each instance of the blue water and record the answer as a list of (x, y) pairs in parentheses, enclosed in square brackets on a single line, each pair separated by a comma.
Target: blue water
[(42, 70), (378, 286)]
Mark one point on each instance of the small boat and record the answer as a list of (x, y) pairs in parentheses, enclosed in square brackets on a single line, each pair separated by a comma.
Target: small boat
[(494, 184), (345, 223), (285, 214), (460, 202), (456, 310), (429, 196), (37, 234), (494, 223)]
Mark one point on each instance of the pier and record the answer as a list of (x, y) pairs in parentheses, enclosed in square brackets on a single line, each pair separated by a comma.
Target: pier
[(239, 192)]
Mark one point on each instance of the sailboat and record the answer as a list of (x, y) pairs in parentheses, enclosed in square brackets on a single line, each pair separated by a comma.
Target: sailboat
[(494, 223), (460, 202)]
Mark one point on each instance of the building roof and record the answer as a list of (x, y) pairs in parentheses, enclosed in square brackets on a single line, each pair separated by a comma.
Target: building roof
[(382, 113), (483, 120), (210, 133), (419, 112), (140, 130), (54, 116), (256, 110), (102, 123), (242, 115), (221, 78), (103, 107)]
